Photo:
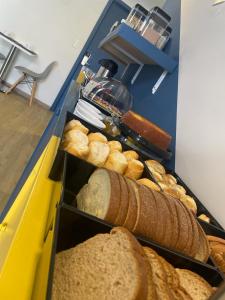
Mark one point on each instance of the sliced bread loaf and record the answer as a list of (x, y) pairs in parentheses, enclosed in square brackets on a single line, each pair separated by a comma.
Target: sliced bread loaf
[(133, 195), (194, 285), (101, 197), (124, 201), (107, 266)]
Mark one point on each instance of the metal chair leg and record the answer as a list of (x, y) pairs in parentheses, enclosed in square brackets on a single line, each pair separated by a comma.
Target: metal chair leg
[(15, 84), (34, 87)]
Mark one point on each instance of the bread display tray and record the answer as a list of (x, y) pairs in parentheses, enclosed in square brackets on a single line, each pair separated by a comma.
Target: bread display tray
[(74, 226)]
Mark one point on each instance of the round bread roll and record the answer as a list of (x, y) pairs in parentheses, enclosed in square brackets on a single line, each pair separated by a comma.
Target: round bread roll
[(204, 218), (156, 176), (179, 189), (80, 151), (116, 162), (150, 184), (134, 169), (169, 190), (98, 153), (75, 124), (76, 136), (189, 202), (169, 179), (163, 185), (115, 146), (156, 166), (130, 154), (97, 136)]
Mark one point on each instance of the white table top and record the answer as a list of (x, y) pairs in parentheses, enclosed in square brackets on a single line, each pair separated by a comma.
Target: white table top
[(17, 44)]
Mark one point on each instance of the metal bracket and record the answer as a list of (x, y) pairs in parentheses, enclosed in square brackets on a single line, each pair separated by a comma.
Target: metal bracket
[(159, 81)]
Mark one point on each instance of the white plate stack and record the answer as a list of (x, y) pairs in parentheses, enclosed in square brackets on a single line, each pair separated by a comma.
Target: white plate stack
[(89, 113)]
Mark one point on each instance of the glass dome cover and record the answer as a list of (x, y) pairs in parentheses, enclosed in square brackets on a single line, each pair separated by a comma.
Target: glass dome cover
[(109, 94)]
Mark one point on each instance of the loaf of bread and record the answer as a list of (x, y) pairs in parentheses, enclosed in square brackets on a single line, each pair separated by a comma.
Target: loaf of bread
[(144, 211), (98, 153), (107, 266), (131, 154), (148, 130), (75, 124), (134, 169), (147, 182), (115, 146), (97, 136), (115, 266), (116, 162)]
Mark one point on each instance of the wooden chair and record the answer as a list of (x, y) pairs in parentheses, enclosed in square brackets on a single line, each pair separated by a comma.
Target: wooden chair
[(31, 78)]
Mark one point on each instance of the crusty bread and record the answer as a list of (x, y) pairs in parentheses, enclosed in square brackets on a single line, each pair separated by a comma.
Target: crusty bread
[(212, 238), (75, 124), (204, 249), (203, 217), (115, 146), (169, 179), (97, 136), (189, 202), (150, 184), (147, 214), (98, 153), (100, 196), (124, 201), (117, 162), (194, 285), (107, 266), (133, 195), (78, 150), (179, 189), (155, 166), (76, 143), (157, 176), (131, 154), (134, 169), (170, 191), (158, 275)]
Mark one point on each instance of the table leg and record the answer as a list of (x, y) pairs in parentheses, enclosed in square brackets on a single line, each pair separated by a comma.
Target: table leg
[(7, 64)]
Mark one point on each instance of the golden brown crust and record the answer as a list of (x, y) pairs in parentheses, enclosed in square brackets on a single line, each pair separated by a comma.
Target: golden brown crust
[(75, 124), (97, 136), (115, 146), (124, 201), (134, 169), (115, 195), (150, 184), (131, 154), (131, 216), (155, 166)]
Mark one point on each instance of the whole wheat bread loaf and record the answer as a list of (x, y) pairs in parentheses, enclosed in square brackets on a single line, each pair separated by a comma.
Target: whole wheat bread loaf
[(107, 266)]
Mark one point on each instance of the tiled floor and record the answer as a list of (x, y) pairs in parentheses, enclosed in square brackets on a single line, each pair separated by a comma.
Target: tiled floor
[(20, 129)]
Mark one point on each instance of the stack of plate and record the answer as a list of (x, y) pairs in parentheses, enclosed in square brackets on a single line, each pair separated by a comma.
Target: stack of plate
[(89, 113)]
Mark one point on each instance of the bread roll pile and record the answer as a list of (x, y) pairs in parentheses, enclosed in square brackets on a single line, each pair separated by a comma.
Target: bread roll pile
[(168, 184), (217, 246), (97, 150), (115, 266), (154, 215)]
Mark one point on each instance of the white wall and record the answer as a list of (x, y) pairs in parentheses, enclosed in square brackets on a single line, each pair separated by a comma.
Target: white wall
[(200, 152), (57, 30)]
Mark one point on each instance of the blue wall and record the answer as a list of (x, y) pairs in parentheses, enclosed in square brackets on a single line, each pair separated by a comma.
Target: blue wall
[(161, 108)]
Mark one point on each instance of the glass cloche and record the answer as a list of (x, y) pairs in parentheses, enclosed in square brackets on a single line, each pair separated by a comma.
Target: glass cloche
[(110, 94)]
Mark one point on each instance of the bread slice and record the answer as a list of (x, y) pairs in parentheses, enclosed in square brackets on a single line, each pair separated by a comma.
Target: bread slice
[(183, 228), (158, 275), (162, 219), (194, 285), (188, 248), (204, 249), (133, 194), (107, 266), (124, 201), (215, 238), (147, 222), (195, 241), (101, 197), (174, 219)]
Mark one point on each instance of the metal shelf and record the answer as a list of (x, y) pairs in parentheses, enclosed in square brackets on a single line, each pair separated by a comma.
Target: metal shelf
[(129, 47)]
